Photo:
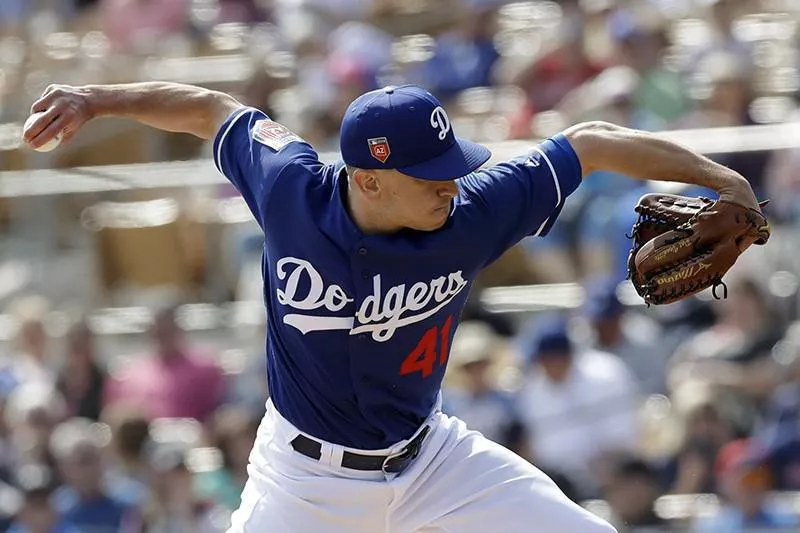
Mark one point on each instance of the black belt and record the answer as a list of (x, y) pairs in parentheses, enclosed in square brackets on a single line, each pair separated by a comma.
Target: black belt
[(392, 464)]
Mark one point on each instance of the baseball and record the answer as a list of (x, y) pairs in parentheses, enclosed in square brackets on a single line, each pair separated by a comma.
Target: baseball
[(50, 145)]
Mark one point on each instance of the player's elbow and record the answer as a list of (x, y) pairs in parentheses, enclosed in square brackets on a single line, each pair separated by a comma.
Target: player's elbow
[(213, 108), (591, 140), (585, 131)]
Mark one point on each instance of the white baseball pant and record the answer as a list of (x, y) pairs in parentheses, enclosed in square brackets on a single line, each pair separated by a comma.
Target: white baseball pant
[(461, 482)]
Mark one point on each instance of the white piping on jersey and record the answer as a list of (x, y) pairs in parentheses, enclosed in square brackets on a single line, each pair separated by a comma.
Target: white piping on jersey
[(307, 323), (218, 154), (558, 188)]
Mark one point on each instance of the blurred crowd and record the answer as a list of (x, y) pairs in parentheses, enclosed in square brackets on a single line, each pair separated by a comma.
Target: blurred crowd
[(158, 444), (685, 417)]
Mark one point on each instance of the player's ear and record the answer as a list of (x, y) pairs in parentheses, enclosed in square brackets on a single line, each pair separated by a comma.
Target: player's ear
[(367, 181)]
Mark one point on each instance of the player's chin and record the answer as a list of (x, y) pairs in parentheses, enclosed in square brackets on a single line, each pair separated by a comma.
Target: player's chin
[(432, 222), (438, 218)]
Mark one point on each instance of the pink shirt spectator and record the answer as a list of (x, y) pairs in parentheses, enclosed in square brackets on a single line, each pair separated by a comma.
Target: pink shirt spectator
[(129, 23), (185, 386)]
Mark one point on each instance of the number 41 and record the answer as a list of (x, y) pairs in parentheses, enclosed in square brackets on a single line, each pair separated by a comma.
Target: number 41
[(424, 356)]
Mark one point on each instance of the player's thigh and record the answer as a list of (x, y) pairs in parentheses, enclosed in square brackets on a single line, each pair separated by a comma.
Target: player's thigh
[(270, 504), (480, 486)]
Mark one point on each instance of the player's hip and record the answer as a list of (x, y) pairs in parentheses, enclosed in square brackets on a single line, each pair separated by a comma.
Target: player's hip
[(282, 448)]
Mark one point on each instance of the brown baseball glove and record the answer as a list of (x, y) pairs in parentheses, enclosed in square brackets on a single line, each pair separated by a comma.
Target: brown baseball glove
[(683, 245)]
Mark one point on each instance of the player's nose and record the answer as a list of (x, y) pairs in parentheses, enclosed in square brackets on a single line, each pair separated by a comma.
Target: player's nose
[(447, 189)]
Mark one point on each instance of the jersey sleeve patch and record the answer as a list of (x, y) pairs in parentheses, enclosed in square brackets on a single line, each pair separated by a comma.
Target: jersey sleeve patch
[(273, 134)]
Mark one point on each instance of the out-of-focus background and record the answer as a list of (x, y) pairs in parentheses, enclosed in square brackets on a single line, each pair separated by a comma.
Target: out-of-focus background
[(132, 329)]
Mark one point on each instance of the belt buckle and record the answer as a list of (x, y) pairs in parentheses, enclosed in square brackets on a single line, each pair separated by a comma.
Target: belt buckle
[(398, 462)]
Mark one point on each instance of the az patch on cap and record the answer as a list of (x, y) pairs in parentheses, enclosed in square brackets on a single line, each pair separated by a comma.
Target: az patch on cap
[(274, 135), (379, 148)]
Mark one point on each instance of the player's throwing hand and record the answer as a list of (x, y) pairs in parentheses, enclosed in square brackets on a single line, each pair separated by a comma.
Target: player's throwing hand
[(62, 110)]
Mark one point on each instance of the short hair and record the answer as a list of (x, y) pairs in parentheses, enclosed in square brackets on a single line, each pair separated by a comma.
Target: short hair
[(633, 467), (31, 397), (130, 431), (71, 435), (31, 308), (35, 481)]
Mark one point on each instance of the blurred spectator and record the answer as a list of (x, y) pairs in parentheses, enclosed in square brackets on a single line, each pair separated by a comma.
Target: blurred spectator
[(128, 477), (249, 390), (175, 382), (722, 39), (706, 431), (778, 431), (728, 97), (83, 500), (745, 489), (632, 337), (475, 309), (463, 58), (234, 432), (174, 507), (631, 493), (734, 355), (248, 11), (38, 514), (549, 78), (578, 407), (728, 103), (480, 402), (31, 360), (781, 437), (31, 413), (139, 25), (80, 378), (642, 41), (13, 15), (782, 181), (356, 53)]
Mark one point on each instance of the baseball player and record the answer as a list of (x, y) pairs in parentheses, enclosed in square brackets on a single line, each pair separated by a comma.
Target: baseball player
[(367, 264)]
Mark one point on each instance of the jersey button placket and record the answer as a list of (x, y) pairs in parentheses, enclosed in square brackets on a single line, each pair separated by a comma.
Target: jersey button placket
[(365, 275)]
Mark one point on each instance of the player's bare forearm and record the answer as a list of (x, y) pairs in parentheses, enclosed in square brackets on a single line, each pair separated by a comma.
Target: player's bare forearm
[(646, 156), (166, 106)]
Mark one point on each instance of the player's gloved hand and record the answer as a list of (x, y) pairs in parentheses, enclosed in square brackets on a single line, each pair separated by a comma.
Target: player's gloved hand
[(683, 245), (64, 109)]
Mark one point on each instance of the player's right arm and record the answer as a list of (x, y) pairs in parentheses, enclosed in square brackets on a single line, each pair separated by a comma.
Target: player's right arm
[(166, 106), (249, 148)]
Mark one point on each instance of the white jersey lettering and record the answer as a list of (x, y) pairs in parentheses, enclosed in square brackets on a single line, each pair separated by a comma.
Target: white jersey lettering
[(380, 313)]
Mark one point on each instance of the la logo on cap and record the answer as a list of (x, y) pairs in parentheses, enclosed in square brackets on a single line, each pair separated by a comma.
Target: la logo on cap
[(379, 148)]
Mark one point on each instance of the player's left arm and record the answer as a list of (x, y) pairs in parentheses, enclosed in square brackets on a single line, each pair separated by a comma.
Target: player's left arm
[(647, 156), (520, 197)]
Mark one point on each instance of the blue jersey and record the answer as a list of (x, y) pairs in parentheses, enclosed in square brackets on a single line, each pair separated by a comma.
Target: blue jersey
[(359, 326)]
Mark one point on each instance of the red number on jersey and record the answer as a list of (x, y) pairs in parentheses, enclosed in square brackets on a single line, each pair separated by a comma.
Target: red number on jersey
[(423, 357)]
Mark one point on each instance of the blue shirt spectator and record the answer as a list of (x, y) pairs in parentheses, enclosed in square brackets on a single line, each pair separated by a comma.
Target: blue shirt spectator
[(83, 501), (101, 514), (463, 59)]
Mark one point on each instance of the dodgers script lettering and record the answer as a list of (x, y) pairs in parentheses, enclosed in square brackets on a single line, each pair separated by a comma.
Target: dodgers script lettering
[(381, 313)]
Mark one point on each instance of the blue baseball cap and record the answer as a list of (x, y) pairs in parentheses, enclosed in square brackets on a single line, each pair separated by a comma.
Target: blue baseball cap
[(545, 334), (601, 299), (407, 129)]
